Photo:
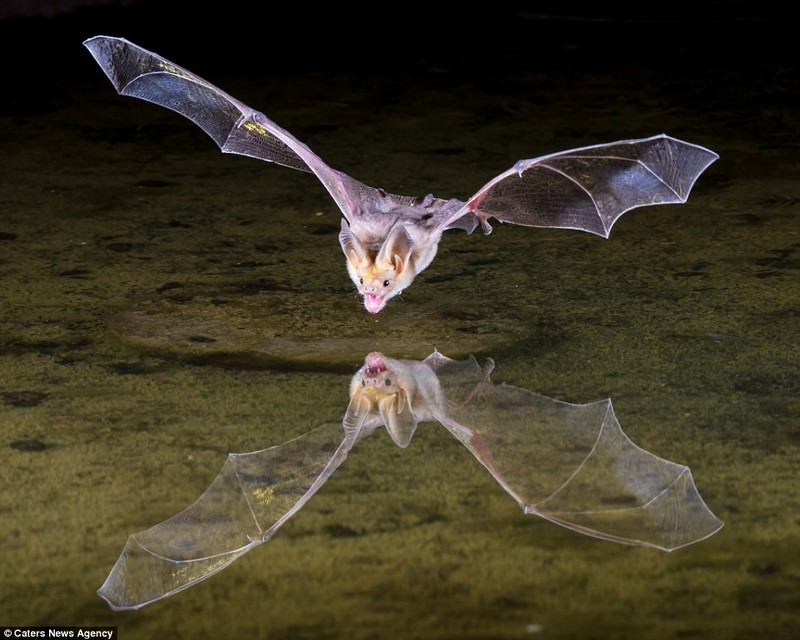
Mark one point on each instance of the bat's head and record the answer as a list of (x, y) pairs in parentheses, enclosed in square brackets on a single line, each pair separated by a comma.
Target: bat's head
[(377, 377), (379, 274), (381, 392), (379, 283)]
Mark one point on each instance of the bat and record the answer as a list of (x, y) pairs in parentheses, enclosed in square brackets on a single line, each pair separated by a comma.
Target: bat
[(388, 239), (568, 463)]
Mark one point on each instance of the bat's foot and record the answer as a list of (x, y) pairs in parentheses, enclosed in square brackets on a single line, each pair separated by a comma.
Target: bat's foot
[(484, 222)]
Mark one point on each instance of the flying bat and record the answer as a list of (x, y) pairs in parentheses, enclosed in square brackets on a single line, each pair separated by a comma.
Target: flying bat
[(388, 239), (568, 463)]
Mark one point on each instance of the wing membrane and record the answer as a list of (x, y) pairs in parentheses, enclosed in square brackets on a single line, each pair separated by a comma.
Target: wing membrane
[(572, 464), (588, 189), (248, 501)]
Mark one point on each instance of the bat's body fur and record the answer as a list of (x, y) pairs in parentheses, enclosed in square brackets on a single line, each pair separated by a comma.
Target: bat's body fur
[(386, 250)]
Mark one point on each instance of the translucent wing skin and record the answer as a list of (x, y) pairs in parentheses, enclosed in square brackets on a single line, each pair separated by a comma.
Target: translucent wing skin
[(588, 189), (571, 464), (235, 127), (250, 499)]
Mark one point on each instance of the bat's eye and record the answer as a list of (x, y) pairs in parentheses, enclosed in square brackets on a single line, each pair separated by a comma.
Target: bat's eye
[(361, 280), (388, 383), (385, 283), (363, 383)]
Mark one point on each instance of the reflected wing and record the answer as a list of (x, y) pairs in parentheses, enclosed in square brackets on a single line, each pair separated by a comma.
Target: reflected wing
[(588, 189), (234, 126), (572, 464), (253, 495)]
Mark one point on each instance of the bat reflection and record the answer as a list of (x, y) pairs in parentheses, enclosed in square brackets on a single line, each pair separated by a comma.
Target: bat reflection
[(570, 464)]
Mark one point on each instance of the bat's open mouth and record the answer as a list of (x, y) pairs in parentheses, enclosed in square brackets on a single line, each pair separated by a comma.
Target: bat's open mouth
[(375, 363), (373, 303)]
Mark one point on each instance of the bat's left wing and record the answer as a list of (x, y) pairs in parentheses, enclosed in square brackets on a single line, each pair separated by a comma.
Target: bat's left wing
[(589, 188), (250, 499), (572, 464), (235, 127)]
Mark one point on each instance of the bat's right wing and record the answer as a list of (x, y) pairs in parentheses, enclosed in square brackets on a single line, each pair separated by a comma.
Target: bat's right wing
[(234, 126), (572, 464)]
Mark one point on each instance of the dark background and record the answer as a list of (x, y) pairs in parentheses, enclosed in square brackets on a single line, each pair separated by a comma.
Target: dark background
[(488, 39)]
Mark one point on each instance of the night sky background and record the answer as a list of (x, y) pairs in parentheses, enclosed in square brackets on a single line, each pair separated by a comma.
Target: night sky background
[(40, 39)]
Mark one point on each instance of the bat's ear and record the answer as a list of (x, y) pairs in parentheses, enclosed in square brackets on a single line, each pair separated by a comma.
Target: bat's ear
[(357, 412), (400, 421), (354, 250), (396, 250)]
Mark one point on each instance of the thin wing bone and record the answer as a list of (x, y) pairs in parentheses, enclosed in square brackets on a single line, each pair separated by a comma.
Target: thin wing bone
[(250, 499), (589, 188), (573, 464)]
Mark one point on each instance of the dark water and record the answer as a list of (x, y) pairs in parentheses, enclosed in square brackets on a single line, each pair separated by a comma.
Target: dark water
[(163, 304)]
